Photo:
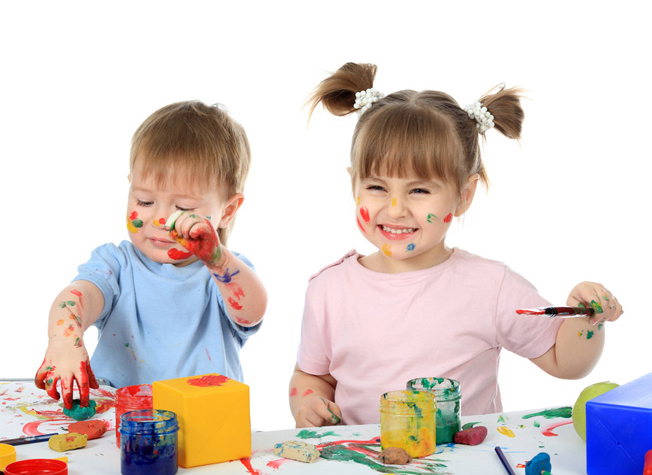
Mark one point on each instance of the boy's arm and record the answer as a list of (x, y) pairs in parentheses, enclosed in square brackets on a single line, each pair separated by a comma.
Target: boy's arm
[(241, 289), (580, 341), (66, 360), (311, 399)]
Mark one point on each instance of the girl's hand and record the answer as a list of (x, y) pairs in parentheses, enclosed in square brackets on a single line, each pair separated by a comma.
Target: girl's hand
[(590, 294), (67, 367), (197, 234), (317, 411)]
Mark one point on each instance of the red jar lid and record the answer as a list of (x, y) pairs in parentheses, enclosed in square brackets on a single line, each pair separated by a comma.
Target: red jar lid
[(37, 467)]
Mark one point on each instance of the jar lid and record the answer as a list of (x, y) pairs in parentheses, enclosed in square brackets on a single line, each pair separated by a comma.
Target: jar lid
[(37, 467), (7, 455)]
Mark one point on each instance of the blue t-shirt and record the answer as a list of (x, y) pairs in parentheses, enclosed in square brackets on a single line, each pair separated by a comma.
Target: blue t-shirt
[(160, 321)]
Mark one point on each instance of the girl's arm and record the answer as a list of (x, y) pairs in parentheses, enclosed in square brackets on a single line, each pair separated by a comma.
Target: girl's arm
[(580, 341), (311, 399), (66, 360), (241, 289)]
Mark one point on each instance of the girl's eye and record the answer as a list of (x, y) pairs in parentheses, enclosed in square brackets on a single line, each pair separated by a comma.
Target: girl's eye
[(375, 187), (143, 203), (421, 191)]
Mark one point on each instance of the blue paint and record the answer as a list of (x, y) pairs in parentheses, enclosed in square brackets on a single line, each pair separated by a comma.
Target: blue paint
[(410, 247), (226, 278), (148, 442)]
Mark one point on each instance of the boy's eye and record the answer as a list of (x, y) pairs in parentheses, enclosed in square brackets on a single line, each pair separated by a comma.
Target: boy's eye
[(143, 203), (181, 208)]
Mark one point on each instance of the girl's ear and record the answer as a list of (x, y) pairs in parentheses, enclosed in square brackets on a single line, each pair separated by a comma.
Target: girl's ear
[(466, 197), (230, 209)]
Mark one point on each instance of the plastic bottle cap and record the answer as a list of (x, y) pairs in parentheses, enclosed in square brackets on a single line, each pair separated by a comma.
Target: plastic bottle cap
[(7, 455), (37, 467)]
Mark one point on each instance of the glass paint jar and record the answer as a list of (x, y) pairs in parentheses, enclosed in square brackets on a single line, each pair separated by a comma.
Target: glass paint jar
[(448, 399), (148, 442), (407, 421), (131, 398)]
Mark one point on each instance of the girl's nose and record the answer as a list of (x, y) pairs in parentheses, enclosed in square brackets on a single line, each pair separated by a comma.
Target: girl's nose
[(395, 207)]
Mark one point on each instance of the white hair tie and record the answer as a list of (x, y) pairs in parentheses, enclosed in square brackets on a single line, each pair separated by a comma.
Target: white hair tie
[(365, 99), (484, 119)]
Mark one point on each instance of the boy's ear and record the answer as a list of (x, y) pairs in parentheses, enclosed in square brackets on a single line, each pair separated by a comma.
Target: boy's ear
[(230, 209), (466, 197)]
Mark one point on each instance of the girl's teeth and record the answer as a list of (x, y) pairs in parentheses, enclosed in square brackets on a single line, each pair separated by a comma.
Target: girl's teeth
[(398, 231)]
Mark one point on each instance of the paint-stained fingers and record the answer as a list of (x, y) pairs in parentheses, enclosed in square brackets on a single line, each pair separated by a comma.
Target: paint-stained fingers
[(51, 387), (41, 375), (92, 381), (66, 391), (328, 411)]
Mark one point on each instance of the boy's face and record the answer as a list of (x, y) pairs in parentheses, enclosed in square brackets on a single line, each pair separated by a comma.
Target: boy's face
[(149, 205)]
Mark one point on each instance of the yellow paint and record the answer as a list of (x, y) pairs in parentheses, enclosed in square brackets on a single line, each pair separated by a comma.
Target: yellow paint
[(214, 421), (357, 200), (131, 227), (62, 459), (407, 421), (157, 223), (506, 431), (387, 250), (70, 441), (394, 201)]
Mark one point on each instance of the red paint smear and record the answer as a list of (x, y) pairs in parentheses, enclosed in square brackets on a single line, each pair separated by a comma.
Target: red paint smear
[(548, 431), (275, 464), (448, 218), (235, 304), (247, 463), (360, 225), (235, 288), (178, 255), (133, 215), (307, 392), (242, 321), (161, 221), (293, 392), (364, 212), (203, 242), (209, 380)]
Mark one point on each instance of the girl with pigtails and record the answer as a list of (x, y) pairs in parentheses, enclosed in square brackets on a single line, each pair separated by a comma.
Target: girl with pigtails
[(416, 307)]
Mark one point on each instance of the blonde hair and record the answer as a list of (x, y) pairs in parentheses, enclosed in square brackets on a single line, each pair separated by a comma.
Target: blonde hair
[(425, 133), (192, 140)]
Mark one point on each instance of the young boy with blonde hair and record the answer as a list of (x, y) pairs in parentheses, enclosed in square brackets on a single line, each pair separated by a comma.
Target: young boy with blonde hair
[(173, 301)]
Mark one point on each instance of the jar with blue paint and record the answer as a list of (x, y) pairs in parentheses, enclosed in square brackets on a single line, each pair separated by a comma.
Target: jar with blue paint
[(148, 442), (448, 398)]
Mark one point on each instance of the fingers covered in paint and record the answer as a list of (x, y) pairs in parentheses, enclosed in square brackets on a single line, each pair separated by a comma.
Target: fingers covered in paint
[(317, 411), (606, 306), (197, 234)]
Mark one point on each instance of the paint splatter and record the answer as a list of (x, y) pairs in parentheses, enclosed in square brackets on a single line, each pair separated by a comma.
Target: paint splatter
[(548, 431), (448, 218), (133, 223), (178, 255), (159, 222), (410, 247), (387, 250), (247, 463), (293, 392), (226, 277), (431, 216), (208, 380), (307, 392), (596, 306), (565, 412), (394, 201), (364, 212), (311, 434), (234, 303), (275, 464), (506, 431), (360, 225)]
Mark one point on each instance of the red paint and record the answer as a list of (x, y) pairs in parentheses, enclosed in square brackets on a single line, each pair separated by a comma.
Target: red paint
[(242, 321), (647, 470), (234, 304), (208, 380), (307, 392), (247, 463), (78, 294), (275, 464), (293, 392), (133, 215), (202, 242), (548, 431), (178, 255), (364, 212), (448, 218), (360, 225), (235, 288), (161, 221)]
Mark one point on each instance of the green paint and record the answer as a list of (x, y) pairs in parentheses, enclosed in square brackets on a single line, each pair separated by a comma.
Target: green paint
[(70, 303), (137, 223), (589, 334), (469, 425), (536, 424), (80, 413), (600, 325), (311, 434), (430, 216), (501, 418), (553, 413), (596, 306), (127, 345)]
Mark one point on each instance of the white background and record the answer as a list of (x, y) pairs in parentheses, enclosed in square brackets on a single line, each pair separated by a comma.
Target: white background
[(569, 203)]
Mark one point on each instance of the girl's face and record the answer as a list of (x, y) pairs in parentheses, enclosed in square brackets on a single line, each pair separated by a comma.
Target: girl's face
[(150, 205), (407, 219)]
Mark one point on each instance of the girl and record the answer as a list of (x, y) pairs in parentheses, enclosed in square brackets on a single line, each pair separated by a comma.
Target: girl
[(416, 307)]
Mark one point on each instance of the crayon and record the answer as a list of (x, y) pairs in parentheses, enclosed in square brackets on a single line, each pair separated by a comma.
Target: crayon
[(561, 312), (504, 461)]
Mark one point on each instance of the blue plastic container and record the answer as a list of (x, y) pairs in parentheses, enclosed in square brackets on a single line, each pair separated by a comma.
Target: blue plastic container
[(148, 442)]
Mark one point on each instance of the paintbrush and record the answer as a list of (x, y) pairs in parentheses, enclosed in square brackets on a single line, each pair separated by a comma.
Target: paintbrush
[(28, 440), (561, 312)]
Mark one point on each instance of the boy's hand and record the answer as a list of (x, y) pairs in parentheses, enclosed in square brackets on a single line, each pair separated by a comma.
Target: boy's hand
[(67, 367), (317, 411), (590, 294), (197, 234)]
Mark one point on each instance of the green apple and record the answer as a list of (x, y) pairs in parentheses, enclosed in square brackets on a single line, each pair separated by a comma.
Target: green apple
[(579, 409)]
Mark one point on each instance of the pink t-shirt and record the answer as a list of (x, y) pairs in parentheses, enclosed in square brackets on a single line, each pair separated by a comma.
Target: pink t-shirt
[(373, 332)]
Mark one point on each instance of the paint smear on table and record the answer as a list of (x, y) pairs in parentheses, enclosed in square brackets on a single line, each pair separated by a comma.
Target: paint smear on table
[(565, 412), (548, 431), (506, 431), (311, 434)]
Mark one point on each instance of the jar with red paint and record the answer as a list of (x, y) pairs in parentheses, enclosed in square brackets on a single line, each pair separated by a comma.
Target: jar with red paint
[(131, 398)]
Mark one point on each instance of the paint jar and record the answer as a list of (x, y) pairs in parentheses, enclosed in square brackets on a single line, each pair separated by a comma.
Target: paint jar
[(37, 467), (148, 442), (7, 455), (407, 421), (448, 399), (131, 398)]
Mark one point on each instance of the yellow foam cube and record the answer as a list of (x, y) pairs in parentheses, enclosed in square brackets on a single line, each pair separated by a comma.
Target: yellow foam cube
[(213, 415), (70, 441)]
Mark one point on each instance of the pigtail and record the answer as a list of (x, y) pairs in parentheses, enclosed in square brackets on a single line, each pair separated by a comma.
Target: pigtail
[(505, 106), (337, 93)]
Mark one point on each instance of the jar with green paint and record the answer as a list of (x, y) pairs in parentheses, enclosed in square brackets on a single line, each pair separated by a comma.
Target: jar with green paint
[(448, 399)]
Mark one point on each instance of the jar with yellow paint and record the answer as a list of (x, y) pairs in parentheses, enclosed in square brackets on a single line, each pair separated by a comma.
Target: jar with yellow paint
[(407, 421)]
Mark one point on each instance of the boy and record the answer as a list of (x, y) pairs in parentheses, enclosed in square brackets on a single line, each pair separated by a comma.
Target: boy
[(173, 301)]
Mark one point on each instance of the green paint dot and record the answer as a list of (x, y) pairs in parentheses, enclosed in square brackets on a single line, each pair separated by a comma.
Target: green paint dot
[(589, 334), (138, 223), (430, 216), (71, 303), (127, 345), (581, 305), (596, 306)]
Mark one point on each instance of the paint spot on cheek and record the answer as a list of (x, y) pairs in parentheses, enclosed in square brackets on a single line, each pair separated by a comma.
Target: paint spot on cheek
[(448, 218), (293, 392), (410, 247), (360, 225), (364, 212), (431, 216), (133, 215), (387, 250), (159, 222), (357, 200), (178, 255)]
